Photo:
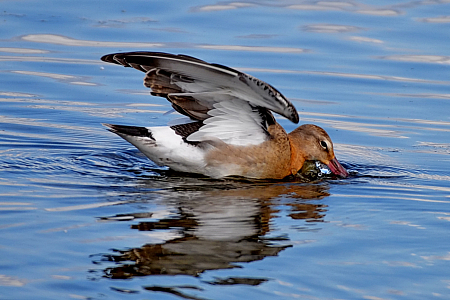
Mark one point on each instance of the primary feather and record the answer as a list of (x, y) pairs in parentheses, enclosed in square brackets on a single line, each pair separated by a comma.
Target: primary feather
[(182, 75)]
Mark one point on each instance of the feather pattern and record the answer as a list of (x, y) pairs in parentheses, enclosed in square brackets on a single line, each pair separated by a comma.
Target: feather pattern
[(234, 122), (174, 74)]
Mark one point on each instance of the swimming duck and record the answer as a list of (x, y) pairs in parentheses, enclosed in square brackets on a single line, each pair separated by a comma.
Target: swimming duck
[(228, 128)]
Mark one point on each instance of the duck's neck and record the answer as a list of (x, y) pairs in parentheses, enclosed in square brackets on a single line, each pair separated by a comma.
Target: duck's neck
[(297, 154)]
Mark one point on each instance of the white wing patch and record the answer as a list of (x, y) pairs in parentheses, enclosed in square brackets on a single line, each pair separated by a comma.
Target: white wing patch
[(234, 122)]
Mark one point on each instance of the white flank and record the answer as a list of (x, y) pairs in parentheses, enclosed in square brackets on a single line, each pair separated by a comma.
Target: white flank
[(169, 150)]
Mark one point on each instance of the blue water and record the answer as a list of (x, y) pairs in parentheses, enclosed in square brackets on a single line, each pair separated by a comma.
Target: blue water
[(83, 215)]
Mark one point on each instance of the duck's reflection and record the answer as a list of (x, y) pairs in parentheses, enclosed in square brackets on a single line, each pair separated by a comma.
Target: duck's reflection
[(219, 229)]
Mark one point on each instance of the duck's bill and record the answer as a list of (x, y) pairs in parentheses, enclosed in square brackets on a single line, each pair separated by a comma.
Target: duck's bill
[(336, 168)]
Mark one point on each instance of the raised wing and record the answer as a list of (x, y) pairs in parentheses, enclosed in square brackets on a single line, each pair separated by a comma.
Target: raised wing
[(233, 106)]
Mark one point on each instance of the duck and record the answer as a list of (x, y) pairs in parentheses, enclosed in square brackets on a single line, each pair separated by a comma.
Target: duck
[(227, 128)]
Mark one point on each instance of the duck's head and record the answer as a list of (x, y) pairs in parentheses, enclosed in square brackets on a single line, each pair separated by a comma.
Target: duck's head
[(310, 142)]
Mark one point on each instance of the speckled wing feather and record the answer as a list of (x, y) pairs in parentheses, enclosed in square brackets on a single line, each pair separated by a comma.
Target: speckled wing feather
[(234, 106), (174, 74)]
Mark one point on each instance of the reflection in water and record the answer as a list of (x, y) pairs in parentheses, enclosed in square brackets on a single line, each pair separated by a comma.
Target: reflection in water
[(330, 28), (422, 96), (175, 291), (379, 12), (315, 5), (16, 94), (350, 75), (441, 19), (222, 6), (257, 36), (49, 60), (364, 39), (67, 41), (218, 228), (23, 50), (80, 80), (119, 23), (253, 48), (436, 59), (60, 168)]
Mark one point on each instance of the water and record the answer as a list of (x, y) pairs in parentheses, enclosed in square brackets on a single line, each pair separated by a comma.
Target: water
[(85, 216)]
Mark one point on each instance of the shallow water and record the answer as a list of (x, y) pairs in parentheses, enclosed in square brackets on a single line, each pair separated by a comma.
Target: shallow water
[(85, 216)]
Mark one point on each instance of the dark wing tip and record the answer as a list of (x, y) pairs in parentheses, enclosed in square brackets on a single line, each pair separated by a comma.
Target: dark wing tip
[(289, 110), (294, 116), (119, 58), (108, 58), (185, 130), (129, 130)]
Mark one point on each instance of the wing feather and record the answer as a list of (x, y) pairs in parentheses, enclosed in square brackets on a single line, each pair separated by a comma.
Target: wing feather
[(234, 122), (190, 74), (230, 105)]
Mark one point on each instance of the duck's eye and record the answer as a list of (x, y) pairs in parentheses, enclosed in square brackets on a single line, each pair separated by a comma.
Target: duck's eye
[(324, 145)]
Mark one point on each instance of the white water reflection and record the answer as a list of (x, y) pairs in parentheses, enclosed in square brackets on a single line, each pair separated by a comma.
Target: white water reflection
[(257, 36), (39, 122), (222, 6), (67, 41), (363, 154), (442, 19), (411, 198), (348, 75), (12, 281), (399, 129), (330, 28), (78, 80), (23, 50), (379, 12), (123, 22), (371, 129), (363, 39), (35, 99), (84, 206), (322, 6), (253, 48), (422, 96), (435, 59), (15, 94), (383, 10), (50, 60)]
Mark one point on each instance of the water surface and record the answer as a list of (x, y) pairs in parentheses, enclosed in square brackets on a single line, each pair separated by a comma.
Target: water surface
[(83, 215)]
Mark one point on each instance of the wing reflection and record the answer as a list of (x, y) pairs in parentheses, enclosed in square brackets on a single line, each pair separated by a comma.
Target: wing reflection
[(217, 229)]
